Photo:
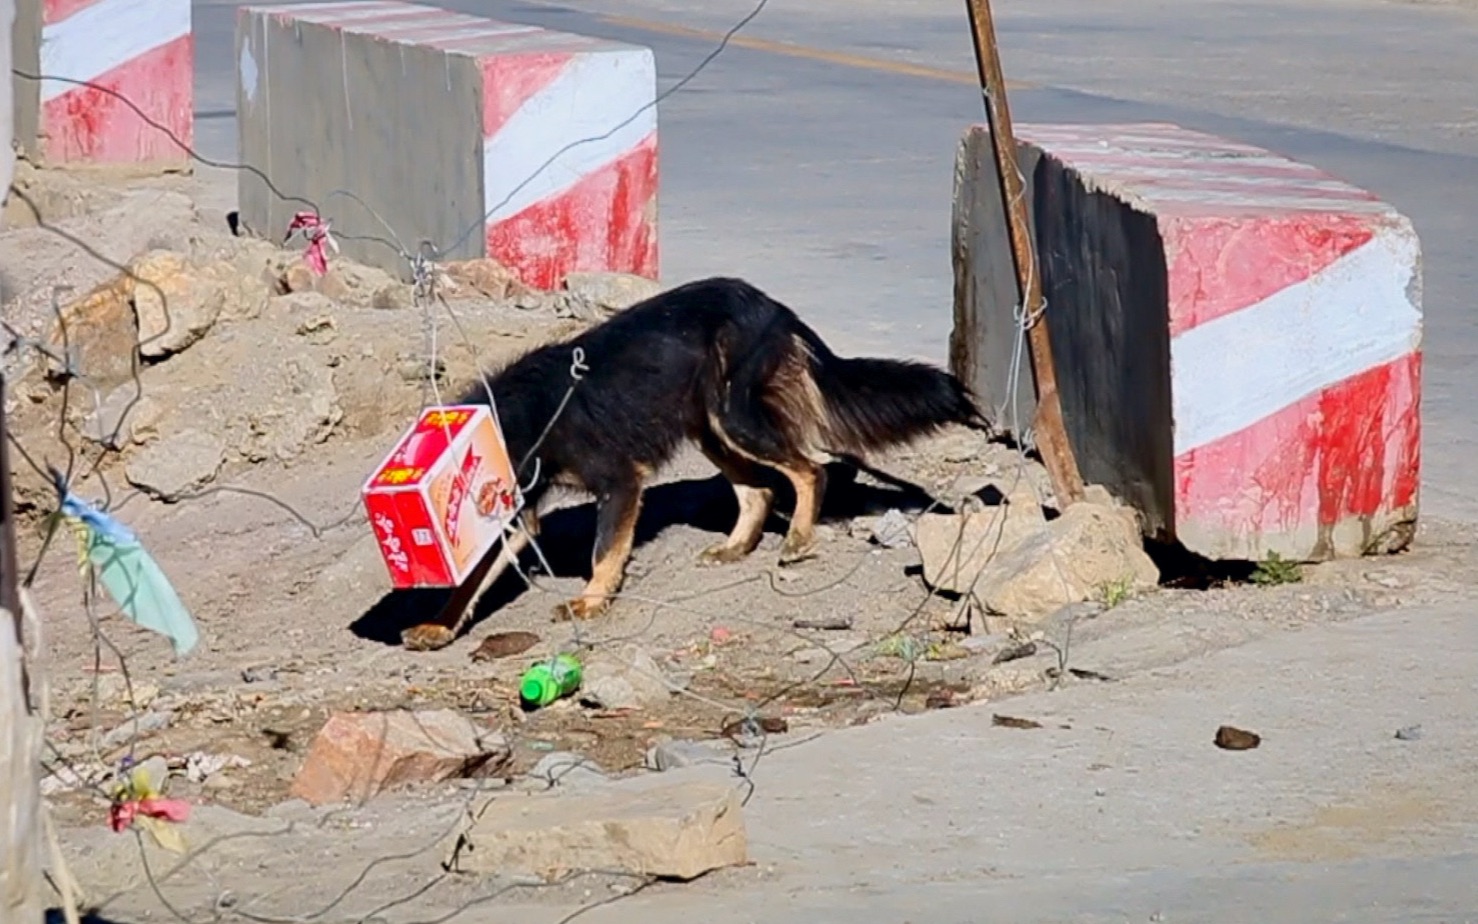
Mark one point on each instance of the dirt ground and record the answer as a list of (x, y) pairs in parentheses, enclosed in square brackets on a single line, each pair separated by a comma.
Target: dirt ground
[(297, 397)]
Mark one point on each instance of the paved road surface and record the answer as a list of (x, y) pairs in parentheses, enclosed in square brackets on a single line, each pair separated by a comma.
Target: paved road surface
[(816, 159)]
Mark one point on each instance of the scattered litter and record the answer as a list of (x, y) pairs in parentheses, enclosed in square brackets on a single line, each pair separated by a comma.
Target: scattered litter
[(748, 732), (132, 578), (946, 651), (1409, 733), (1229, 738), (259, 674), (1006, 721), (138, 800), (504, 645), (548, 681), (199, 766), (835, 624)]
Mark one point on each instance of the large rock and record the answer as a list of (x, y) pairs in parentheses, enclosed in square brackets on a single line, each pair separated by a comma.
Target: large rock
[(357, 755), (957, 547), (1073, 559), (176, 303), (97, 334), (625, 678), (649, 826)]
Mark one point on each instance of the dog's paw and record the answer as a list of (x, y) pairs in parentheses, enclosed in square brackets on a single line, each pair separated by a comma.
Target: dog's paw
[(721, 554), (581, 608), (427, 637), (794, 551)]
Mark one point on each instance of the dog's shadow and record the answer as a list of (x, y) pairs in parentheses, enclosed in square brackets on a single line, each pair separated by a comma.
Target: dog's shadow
[(566, 536)]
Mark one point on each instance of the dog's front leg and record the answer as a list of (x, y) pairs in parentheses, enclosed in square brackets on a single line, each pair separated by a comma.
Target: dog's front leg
[(615, 534), (448, 624)]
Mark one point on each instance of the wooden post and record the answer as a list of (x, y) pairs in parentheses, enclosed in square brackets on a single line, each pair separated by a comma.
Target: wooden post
[(20, 733), (1051, 434)]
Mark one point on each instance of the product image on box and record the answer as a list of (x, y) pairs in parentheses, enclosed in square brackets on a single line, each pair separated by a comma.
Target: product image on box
[(443, 497)]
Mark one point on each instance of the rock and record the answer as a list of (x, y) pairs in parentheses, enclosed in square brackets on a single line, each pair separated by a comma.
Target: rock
[(357, 755), (485, 277), (565, 768), (136, 727), (176, 303), (650, 826), (605, 294), (628, 679), (892, 530), (98, 334), (114, 690), (675, 755), (1069, 561), (176, 466), (957, 547), (123, 417)]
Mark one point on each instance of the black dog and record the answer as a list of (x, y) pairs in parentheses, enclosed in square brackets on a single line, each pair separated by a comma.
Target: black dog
[(719, 363)]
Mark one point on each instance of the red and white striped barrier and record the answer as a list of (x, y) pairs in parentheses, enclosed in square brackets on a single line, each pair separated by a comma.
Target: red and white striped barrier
[(565, 132), (123, 64), (1288, 305)]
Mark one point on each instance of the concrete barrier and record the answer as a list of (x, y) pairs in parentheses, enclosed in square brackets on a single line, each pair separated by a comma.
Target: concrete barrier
[(1237, 335), (542, 144), (137, 56)]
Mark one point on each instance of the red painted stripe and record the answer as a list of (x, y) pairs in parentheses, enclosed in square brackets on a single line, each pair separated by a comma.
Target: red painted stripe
[(1352, 450), (54, 11), (488, 43), (1270, 194), (1220, 265), (605, 222), (87, 124), (509, 80)]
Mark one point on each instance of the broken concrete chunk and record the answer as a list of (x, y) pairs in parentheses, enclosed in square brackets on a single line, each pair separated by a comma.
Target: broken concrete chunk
[(648, 826), (1086, 549), (97, 334), (357, 755)]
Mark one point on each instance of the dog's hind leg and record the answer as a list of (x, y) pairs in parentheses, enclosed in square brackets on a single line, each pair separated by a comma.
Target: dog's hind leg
[(755, 499), (615, 534), (809, 481)]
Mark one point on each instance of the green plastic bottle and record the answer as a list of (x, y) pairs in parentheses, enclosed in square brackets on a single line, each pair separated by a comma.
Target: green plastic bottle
[(547, 681)]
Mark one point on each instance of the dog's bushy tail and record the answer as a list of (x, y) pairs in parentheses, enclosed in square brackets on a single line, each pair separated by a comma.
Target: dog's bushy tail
[(875, 403)]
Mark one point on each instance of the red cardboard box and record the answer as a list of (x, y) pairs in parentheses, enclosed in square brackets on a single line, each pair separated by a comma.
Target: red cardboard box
[(443, 497)]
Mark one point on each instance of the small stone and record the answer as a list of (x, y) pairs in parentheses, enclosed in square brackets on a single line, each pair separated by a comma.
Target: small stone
[(504, 645), (358, 755), (1409, 733), (675, 755), (609, 293), (136, 728), (629, 679), (649, 826), (258, 674), (1229, 738), (566, 768), (892, 530), (178, 465)]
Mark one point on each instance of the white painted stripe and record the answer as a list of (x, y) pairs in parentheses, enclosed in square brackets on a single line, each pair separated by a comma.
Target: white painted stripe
[(101, 37), (594, 94), (1219, 202), (366, 5), (1140, 173), (1231, 372), (390, 12)]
